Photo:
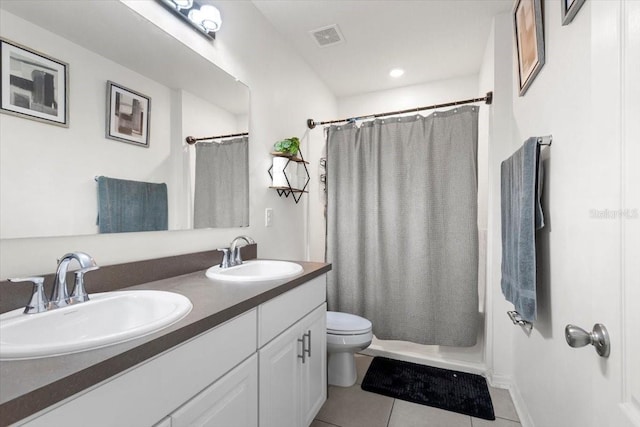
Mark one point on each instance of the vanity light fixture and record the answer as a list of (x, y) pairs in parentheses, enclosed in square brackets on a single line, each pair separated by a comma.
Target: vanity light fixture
[(204, 17)]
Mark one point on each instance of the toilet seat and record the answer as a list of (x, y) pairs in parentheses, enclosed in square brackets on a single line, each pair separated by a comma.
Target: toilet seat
[(347, 324)]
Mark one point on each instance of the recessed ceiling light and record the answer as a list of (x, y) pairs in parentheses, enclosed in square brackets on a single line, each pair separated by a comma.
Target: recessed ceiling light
[(396, 72)]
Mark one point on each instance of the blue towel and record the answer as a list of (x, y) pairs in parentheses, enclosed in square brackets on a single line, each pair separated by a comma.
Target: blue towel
[(521, 187), (128, 206)]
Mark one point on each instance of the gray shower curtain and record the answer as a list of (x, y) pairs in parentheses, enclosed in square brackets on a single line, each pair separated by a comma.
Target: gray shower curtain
[(222, 184), (402, 225)]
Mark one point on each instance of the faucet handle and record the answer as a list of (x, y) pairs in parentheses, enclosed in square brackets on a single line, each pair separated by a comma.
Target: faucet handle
[(237, 256), (79, 293), (227, 260), (38, 302)]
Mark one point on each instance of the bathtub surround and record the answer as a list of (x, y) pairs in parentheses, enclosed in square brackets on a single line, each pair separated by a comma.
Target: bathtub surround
[(402, 229)]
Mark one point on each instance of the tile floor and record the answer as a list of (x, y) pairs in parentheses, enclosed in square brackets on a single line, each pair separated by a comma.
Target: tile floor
[(354, 407)]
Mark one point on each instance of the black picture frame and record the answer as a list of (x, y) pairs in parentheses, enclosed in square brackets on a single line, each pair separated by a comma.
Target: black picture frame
[(529, 41), (128, 115), (33, 85)]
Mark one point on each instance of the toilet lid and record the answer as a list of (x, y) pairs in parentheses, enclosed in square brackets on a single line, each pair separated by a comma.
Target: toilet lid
[(346, 324)]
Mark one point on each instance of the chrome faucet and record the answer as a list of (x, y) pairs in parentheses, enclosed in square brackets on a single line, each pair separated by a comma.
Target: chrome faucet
[(38, 302), (231, 255), (60, 294)]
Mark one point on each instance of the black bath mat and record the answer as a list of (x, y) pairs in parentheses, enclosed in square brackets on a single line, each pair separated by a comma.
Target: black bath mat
[(460, 392)]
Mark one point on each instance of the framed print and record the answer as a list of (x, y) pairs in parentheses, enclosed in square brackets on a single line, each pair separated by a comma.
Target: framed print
[(33, 85), (529, 34), (570, 9), (128, 115)]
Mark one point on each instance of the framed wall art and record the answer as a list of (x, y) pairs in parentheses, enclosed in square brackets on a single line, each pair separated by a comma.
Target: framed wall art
[(33, 85), (529, 35), (570, 9), (128, 115)]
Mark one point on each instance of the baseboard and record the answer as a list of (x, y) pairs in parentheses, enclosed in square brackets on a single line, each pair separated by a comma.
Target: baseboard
[(506, 382), (498, 381)]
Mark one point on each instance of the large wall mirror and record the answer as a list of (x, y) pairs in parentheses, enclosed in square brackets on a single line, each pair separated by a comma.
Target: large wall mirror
[(48, 172)]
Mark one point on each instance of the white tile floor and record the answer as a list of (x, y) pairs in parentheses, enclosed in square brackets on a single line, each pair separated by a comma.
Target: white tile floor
[(354, 407)]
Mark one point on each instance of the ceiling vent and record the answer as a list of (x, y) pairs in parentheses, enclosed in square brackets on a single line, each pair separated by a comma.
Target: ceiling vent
[(327, 36)]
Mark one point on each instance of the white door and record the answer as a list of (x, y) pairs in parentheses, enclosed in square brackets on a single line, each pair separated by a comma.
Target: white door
[(279, 365), (615, 41), (313, 391)]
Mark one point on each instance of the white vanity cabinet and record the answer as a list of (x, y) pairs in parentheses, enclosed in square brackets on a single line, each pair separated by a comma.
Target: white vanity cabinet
[(265, 367), (293, 365)]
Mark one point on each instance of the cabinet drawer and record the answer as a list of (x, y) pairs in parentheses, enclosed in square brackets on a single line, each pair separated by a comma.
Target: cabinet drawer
[(283, 311)]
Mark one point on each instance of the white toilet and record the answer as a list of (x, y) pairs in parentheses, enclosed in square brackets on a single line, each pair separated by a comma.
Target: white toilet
[(346, 334)]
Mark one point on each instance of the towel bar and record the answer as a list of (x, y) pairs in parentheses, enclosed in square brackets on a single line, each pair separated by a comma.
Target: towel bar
[(545, 140), (518, 320)]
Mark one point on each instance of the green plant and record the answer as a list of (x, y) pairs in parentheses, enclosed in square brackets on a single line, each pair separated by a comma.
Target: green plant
[(287, 146)]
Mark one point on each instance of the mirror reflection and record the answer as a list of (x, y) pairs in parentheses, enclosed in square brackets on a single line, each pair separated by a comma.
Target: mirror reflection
[(49, 174)]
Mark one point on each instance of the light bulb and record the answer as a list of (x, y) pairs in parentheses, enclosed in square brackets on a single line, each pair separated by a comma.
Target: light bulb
[(183, 4), (210, 18), (195, 16)]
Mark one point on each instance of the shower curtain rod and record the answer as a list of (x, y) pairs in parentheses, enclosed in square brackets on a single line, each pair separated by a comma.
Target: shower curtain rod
[(487, 100), (193, 140)]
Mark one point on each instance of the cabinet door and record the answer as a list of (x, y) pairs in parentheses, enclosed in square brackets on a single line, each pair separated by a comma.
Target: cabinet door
[(313, 373), (232, 401), (279, 364)]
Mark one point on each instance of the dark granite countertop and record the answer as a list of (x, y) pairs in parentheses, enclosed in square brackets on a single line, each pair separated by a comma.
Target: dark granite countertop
[(28, 386)]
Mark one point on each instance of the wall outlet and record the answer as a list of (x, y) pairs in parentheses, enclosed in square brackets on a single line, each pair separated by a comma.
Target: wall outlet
[(268, 217)]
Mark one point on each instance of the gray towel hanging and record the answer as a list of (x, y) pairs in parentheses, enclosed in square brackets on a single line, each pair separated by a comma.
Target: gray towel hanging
[(130, 206), (521, 188)]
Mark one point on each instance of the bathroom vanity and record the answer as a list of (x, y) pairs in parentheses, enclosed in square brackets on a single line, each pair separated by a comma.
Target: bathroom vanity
[(247, 354)]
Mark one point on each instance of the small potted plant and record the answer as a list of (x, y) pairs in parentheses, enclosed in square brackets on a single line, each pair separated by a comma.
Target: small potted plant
[(287, 147)]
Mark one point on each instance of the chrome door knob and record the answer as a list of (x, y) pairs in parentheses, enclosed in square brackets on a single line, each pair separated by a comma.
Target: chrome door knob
[(599, 338)]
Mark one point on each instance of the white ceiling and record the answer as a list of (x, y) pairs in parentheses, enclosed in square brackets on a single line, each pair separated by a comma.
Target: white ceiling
[(430, 39)]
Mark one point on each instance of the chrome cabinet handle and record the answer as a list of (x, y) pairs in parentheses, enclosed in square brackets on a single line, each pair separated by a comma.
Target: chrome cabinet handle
[(308, 335), (38, 302), (303, 356), (599, 338)]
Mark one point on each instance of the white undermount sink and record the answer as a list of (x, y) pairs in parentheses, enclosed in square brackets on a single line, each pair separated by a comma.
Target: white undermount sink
[(255, 270), (106, 319)]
